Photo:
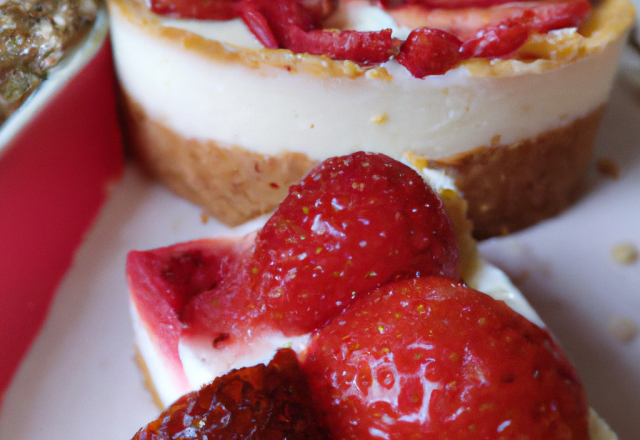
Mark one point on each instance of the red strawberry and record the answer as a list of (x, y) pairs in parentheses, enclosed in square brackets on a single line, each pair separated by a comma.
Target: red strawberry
[(193, 286), (353, 224), (290, 25), (429, 52), (203, 10), (431, 359), (503, 39), (261, 402)]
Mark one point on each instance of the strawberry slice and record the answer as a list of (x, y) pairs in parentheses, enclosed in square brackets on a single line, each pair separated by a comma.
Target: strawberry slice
[(202, 10), (446, 4), (496, 41), (503, 39), (290, 25), (429, 52), (353, 224), (261, 402), (169, 285), (429, 358)]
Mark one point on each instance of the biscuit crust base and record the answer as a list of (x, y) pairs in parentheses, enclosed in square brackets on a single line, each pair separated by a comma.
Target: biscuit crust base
[(508, 187), (231, 184)]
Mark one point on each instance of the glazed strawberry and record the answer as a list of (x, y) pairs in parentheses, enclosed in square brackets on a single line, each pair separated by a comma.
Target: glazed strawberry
[(290, 25), (431, 359), (353, 224), (429, 52), (496, 41), (504, 38), (204, 10), (269, 403)]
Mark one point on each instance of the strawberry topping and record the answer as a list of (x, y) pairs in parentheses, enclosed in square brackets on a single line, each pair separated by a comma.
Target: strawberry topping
[(353, 224), (497, 41), (202, 10), (429, 52), (287, 24), (429, 358), (398, 353), (332, 240), (261, 402), (297, 25)]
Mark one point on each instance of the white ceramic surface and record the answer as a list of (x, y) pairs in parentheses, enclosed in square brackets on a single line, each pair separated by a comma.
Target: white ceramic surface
[(80, 378)]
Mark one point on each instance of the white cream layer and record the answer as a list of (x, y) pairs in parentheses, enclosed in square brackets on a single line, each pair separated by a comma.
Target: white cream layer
[(270, 110), (201, 363)]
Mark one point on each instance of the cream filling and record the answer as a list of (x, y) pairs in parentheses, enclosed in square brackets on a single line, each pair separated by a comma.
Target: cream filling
[(270, 110), (202, 363), (166, 380)]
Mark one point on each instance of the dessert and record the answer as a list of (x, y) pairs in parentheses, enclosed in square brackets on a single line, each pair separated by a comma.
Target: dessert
[(206, 307), (230, 124)]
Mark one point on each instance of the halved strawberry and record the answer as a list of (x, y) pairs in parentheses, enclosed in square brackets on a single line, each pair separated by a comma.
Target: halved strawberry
[(429, 52), (190, 286), (261, 402), (431, 359), (290, 25), (203, 10), (353, 224), (504, 38)]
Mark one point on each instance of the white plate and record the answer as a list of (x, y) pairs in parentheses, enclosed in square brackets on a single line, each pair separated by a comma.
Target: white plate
[(80, 377)]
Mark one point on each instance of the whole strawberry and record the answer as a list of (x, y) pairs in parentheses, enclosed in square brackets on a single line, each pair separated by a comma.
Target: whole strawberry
[(432, 359), (352, 225)]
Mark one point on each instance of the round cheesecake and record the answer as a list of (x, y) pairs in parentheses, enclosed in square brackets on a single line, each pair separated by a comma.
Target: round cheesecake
[(230, 125)]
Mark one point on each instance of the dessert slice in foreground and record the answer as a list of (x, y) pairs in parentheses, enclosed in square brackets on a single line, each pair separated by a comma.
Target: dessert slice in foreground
[(343, 273)]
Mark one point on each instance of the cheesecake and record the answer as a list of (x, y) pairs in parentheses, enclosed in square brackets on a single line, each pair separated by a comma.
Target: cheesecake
[(230, 124)]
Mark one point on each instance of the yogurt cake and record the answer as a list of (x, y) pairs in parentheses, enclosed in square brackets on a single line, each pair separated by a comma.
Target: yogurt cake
[(230, 124), (173, 288)]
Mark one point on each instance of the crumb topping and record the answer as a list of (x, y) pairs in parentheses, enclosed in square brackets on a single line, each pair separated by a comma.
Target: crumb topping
[(34, 36), (625, 253)]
